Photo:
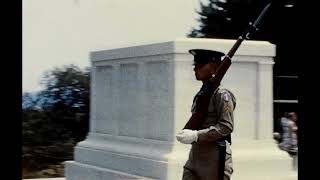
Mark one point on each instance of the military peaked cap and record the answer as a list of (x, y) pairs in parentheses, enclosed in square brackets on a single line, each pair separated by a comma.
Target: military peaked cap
[(204, 56)]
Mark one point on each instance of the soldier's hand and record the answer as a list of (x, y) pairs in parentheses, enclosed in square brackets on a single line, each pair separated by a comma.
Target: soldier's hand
[(187, 136)]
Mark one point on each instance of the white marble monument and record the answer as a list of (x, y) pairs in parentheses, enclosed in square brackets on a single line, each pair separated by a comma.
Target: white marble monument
[(141, 97)]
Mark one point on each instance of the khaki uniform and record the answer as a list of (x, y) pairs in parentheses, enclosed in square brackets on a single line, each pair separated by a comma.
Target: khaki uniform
[(203, 159)]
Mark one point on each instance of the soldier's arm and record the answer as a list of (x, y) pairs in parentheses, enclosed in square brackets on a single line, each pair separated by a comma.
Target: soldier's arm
[(225, 105)]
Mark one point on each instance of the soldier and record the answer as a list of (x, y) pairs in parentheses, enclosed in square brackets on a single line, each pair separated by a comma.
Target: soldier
[(207, 160)]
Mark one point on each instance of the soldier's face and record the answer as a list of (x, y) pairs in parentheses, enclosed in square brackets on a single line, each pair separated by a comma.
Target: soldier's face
[(203, 72)]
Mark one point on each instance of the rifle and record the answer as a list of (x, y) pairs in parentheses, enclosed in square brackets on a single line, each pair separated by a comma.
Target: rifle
[(198, 117)]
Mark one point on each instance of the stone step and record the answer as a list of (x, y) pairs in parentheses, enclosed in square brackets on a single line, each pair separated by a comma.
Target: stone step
[(62, 178), (79, 171), (262, 160)]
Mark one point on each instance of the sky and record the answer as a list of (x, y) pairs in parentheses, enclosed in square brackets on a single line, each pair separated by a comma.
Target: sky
[(61, 32)]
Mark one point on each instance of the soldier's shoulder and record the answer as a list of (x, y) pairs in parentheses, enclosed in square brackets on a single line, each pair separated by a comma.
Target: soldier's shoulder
[(225, 94), (222, 91)]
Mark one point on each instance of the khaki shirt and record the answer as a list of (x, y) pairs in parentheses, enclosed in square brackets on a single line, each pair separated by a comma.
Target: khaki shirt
[(204, 155)]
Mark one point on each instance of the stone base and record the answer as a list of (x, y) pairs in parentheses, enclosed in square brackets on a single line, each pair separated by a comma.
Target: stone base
[(261, 160), (110, 157), (78, 171), (102, 157)]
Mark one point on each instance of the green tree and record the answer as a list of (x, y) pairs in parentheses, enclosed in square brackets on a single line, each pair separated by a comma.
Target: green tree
[(56, 118), (67, 99), (227, 19)]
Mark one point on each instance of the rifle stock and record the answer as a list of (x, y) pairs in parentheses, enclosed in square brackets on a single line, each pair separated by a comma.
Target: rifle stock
[(203, 101)]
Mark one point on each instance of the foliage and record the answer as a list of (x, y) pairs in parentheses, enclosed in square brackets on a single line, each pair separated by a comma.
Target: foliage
[(227, 19), (56, 118)]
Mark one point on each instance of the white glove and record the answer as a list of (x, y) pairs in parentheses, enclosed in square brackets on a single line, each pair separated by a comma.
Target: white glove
[(187, 136)]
